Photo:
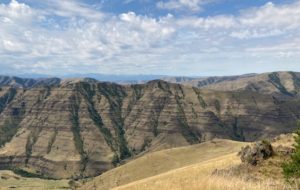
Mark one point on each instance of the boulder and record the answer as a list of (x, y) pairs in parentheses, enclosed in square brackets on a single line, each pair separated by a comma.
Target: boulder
[(257, 152)]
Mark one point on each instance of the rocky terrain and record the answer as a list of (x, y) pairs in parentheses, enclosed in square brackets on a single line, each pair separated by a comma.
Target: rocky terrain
[(81, 128)]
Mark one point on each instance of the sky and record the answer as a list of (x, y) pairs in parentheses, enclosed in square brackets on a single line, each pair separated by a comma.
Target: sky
[(163, 37)]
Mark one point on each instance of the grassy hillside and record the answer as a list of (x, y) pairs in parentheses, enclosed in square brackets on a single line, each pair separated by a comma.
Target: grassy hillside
[(163, 161), (199, 176), (213, 165), (9, 180)]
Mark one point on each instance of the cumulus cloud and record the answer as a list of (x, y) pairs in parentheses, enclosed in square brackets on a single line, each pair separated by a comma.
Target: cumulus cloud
[(15, 11), (68, 36)]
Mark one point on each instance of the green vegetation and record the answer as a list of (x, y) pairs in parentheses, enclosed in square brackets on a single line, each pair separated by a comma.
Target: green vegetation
[(195, 115), (14, 181), (115, 160), (186, 131), (8, 130), (159, 105), (11, 123), (237, 132), (52, 140), (75, 121), (31, 140), (26, 174), (296, 80), (138, 91), (147, 143), (154, 122), (291, 169), (74, 108), (164, 86), (44, 94), (181, 90), (47, 92), (115, 95), (88, 93), (218, 106), (7, 98), (200, 99), (275, 80)]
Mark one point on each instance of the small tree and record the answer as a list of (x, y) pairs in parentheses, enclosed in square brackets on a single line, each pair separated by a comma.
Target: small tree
[(115, 160), (291, 169)]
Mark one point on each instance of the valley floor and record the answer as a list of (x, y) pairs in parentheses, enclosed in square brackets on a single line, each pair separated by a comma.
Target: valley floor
[(9, 180)]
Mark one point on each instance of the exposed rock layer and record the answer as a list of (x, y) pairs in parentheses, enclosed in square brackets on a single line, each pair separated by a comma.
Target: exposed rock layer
[(83, 128)]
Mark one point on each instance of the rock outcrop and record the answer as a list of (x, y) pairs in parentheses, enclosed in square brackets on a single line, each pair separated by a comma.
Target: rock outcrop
[(259, 151)]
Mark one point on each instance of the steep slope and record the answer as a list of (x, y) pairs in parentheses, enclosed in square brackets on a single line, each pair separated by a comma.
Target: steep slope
[(286, 83), (221, 172), (27, 82), (194, 177), (204, 81), (276, 83), (84, 128), (163, 161)]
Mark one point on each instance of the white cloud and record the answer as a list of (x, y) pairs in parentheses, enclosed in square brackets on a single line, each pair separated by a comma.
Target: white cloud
[(15, 10), (12, 46), (192, 5), (270, 15), (256, 33), (68, 8), (87, 40)]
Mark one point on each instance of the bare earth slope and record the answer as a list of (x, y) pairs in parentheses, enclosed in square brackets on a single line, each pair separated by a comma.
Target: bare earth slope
[(84, 128)]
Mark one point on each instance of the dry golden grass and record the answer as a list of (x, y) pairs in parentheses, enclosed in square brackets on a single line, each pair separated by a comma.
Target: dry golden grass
[(199, 177), (9, 180), (186, 168), (156, 163)]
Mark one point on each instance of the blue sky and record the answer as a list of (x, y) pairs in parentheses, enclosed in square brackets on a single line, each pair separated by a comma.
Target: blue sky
[(166, 37)]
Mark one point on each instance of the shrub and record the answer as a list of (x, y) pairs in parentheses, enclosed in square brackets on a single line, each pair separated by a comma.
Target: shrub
[(291, 169), (115, 161)]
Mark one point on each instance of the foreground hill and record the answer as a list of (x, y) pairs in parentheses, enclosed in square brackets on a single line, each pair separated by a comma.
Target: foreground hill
[(210, 170), (84, 128), (163, 161), (209, 165)]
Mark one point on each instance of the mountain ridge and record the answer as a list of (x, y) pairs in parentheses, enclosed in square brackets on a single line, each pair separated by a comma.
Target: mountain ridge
[(108, 123)]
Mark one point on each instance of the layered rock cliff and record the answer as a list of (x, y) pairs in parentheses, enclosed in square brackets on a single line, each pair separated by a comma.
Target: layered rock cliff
[(83, 128)]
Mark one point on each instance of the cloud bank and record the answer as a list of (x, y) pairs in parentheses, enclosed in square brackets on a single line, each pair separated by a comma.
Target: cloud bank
[(60, 37)]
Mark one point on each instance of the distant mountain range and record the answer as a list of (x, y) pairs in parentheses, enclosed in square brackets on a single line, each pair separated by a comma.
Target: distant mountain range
[(275, 82), (121, 79), (74, 128)]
